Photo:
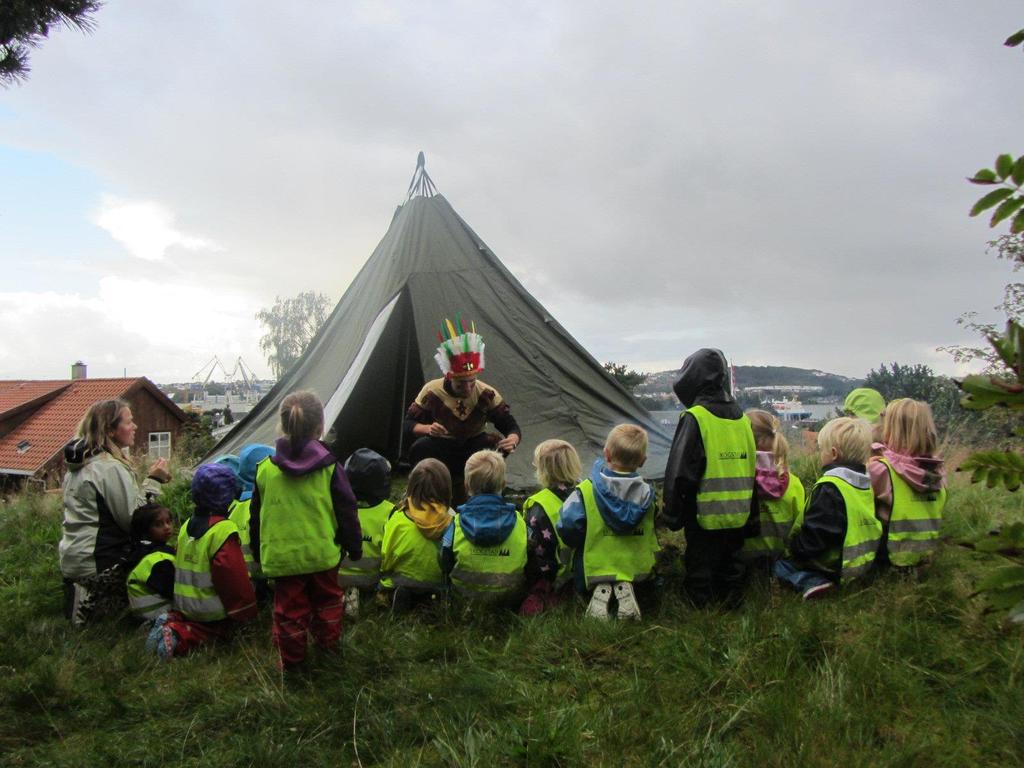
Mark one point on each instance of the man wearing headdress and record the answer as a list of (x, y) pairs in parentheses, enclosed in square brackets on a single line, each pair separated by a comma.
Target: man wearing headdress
[(448, 419)]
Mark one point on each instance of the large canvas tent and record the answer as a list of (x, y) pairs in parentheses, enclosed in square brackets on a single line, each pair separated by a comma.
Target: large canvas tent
[(376, 349)]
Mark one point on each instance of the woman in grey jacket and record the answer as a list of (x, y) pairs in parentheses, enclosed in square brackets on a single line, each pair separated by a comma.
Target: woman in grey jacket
[(100, 495)]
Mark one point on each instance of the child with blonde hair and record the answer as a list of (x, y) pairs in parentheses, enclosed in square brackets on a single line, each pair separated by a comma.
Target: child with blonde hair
[(302, 515), (548, 566), (780, 495), (840, 535), (609, 520), (908, 481), (411, 544), (483, 552)]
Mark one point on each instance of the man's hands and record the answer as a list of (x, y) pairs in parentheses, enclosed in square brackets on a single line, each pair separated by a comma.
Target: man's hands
[(508, 444), (433, 430)]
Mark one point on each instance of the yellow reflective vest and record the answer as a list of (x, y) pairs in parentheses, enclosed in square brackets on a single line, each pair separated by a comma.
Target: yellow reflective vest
[(297, 522), (492, 571), (914, 523), (143, 601), (727, 488), (863, 530), (194, 595), (366, 571), (408, 558), (778, 518), (552, 505), (609, 556)]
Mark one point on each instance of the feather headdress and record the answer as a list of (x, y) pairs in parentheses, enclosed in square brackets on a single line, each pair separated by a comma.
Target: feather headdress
[(461, 352)]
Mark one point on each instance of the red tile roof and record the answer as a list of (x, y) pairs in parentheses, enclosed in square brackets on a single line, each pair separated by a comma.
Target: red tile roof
[(14, 394), (55, 421)]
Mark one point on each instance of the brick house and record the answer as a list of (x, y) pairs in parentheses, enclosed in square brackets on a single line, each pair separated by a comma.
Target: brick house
[(38, 417)]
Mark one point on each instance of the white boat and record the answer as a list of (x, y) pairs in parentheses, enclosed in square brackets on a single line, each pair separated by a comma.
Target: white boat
[(790, 409)]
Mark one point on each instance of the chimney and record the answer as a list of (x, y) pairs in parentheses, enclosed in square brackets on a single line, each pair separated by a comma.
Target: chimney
[(78, 370)]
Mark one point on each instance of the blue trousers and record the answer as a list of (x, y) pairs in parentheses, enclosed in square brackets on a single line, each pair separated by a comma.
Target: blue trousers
[(788, 573)]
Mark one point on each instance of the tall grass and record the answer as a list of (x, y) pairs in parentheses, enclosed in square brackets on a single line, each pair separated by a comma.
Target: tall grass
[(900, 672)]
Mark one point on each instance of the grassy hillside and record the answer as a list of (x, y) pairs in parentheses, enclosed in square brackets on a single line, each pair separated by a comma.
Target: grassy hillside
[(899, 673), (762, 376)]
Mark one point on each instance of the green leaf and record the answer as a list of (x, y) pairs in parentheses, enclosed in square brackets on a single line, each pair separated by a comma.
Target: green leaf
[(1006, 209), (1015, 39), (1018, 171), (1004, 166), (1018, 224), (984, 176), (992, 198)]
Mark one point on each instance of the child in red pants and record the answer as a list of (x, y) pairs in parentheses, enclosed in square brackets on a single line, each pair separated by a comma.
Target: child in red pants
[(302, 514)]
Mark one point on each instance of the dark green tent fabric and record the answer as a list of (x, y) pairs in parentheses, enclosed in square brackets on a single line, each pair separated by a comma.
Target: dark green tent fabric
[(376, 350)]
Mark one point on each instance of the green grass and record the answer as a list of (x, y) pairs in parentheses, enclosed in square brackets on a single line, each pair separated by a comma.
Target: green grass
[(898, 673)]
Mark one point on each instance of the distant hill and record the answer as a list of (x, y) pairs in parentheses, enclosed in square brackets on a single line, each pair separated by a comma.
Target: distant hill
[(763, 376)]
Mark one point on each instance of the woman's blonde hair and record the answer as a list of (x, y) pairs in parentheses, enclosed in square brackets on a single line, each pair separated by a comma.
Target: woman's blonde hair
[(302, 417), (768, 432), (908, 427), (850, 437), (430, 482), (557, 463), (485, 473), (95, 427)]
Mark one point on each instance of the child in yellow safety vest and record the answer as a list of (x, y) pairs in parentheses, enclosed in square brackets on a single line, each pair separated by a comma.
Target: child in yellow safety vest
[(609, 521), (548, 560), (248, 460), (302, 515), (839, 537), (908, 481), (780, 495), (369, 474), (212, 591), (151, 563), (484, 551), (410, 567)]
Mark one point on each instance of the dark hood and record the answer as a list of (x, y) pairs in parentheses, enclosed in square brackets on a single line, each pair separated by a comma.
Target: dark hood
[(487, 519), (301, 459), (622, 498), (703, 378)]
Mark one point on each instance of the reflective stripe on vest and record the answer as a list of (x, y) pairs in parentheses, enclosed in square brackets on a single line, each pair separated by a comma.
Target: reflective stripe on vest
[(408, 558), (552, 505), (143, 601), (863, 529), (915, 521), (366, 571), (726, 490), (491, 571), (610, 557), (194, 594), (297, 522), (238, 513), (777, 519)]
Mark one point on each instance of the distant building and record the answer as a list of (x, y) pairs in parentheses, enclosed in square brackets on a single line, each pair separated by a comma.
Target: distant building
[(38, 417)]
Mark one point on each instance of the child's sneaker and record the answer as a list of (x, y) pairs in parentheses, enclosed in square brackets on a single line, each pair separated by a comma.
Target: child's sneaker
[(352, 603), (818, 590), (628, 609), (598, 608)]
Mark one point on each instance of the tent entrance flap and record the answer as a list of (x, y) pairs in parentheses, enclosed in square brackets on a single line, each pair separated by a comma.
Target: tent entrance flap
[(360, 411)]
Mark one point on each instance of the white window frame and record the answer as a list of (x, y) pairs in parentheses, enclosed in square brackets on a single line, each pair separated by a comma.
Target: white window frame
[(159, 449)]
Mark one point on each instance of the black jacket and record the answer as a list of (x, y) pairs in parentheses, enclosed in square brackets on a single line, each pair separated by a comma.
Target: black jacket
[(824, 526), (703, 380)]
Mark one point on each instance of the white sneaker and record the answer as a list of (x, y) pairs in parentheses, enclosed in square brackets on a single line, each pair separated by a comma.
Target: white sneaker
[(352, 603), (598, 608), (628, 609), (818, 590)]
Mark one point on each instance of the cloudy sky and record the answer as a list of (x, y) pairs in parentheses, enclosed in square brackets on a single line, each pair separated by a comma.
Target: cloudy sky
[(784, 180)]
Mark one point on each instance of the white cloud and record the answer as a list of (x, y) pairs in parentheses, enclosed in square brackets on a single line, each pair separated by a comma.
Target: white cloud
[(146, 327), (146, 228)]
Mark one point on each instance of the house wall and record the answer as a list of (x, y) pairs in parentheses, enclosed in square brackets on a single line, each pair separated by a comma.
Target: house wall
[(151, 416)]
